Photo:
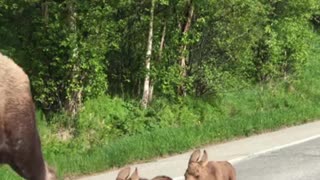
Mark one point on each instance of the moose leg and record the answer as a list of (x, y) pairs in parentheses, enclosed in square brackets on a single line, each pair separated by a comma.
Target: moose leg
[(24, 143), (16, 169), (29, 163)]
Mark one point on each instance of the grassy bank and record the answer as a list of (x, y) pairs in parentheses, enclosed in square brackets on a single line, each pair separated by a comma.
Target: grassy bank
[(169, 128)]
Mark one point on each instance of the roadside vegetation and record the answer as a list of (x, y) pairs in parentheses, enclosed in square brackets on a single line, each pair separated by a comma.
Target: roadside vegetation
[(235, 69)]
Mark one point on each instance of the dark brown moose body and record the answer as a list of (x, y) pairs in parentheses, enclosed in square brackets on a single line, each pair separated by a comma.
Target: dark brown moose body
[(20, 145)]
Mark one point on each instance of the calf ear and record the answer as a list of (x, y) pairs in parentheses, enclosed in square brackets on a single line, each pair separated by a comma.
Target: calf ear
[(195, 156), (204, 158), (135, 175), (123, 174)]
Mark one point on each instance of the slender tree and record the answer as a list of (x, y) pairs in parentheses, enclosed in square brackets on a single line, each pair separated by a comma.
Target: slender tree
[(146, 87), (163, 35), (185, 28)]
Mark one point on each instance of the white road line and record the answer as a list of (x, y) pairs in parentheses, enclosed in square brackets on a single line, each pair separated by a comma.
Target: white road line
[(241, 158)]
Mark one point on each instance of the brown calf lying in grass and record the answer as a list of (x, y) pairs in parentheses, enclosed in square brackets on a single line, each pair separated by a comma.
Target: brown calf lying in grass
[(20, 145), (201, 169), (124, 174)]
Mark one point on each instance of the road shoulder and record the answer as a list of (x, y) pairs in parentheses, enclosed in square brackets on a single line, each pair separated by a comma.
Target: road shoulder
[(233, 151)]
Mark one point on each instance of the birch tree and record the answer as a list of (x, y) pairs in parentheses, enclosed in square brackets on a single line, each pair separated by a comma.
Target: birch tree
[(163, 35), (146, 86)]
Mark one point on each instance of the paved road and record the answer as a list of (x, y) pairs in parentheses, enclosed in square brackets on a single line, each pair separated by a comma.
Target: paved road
[(288, 160), (298, 162)]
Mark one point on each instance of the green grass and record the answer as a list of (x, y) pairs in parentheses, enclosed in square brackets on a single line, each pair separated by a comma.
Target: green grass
[(238, 114)]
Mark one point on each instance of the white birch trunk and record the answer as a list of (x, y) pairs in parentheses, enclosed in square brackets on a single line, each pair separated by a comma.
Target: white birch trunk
[(146, 87)]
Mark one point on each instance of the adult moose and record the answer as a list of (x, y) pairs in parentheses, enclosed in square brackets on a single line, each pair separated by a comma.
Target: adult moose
[(20, 145)]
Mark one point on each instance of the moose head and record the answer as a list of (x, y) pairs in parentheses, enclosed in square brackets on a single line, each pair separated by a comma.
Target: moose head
[(202, 169), (124, 174)]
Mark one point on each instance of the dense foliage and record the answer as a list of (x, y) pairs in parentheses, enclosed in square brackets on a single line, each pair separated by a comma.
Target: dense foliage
[(77, 51)]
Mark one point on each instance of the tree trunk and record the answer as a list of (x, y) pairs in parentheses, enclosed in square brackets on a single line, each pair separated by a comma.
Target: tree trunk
[(74, 100), (163, 35), (146, 87), (183, 48), (45, 11), (162, 40)]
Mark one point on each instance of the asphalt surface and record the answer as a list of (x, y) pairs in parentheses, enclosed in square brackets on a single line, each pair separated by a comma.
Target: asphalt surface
[(287, 154), (297, 162)]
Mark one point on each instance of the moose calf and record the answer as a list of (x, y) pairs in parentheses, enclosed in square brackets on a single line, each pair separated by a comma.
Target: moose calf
[(124, 174), (201, 169), (20, 145)]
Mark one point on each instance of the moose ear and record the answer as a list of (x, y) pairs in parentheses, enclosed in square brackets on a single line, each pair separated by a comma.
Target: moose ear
[(123, 174), (135, 175), (195, 156), (204, 158)]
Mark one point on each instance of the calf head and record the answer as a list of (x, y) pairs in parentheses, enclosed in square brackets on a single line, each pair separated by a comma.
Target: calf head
[(197, 168), (124, 174), (162, 178), (201, 169)]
